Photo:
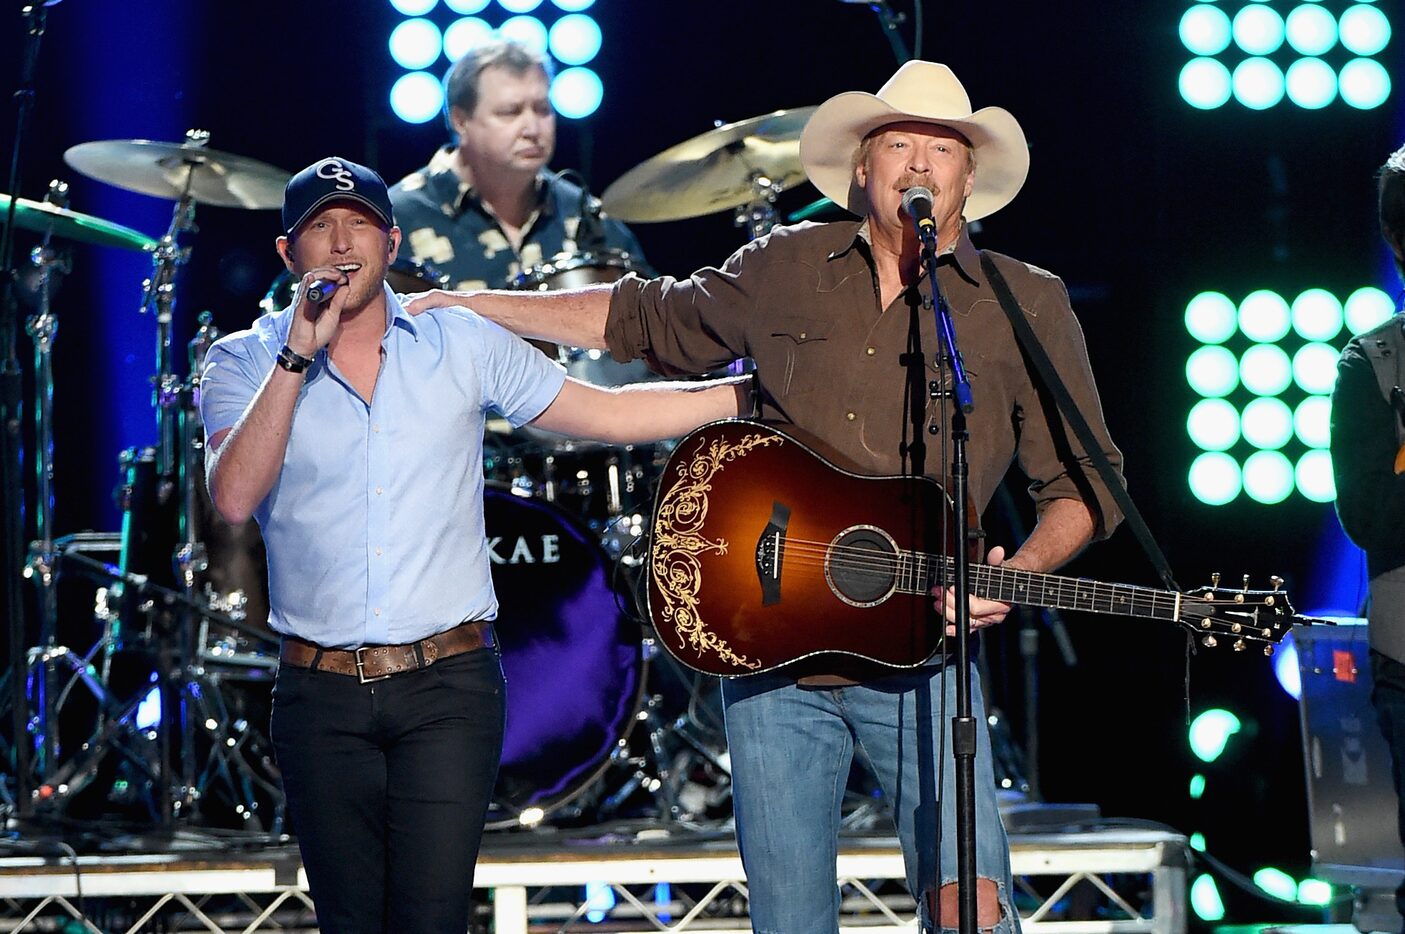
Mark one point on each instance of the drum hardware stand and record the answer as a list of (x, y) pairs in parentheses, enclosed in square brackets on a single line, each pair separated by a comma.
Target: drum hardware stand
[(759, 214)]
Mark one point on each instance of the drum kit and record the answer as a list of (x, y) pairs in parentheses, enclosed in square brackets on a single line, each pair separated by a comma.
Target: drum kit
[(158, 721)]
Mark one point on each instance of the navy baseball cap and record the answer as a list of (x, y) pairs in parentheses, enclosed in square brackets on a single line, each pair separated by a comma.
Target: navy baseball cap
[(334, 179)]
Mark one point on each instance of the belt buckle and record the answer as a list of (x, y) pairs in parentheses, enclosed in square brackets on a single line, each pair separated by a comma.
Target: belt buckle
[(361, 667)]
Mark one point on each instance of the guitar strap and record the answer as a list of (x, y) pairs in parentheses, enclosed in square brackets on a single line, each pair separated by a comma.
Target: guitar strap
[(1029, 342)]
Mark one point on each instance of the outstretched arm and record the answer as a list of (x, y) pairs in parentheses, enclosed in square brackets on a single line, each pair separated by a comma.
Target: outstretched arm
[(574, 317), (642, 412)]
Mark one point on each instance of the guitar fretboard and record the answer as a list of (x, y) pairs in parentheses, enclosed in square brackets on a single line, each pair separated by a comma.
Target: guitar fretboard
[(918, 573)]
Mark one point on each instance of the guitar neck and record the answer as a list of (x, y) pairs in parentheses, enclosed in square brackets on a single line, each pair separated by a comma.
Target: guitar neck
[(922, 572)]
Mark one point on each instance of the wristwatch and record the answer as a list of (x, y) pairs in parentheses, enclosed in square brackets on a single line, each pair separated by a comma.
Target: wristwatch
[(292, 361)]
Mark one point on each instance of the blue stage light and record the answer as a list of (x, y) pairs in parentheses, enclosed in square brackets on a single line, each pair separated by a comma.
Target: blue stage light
[(575, 39), (416, 44), (1205, 30), (1258, 30), (527, 30), (573, 6), (1215, 478), (520, 6), (1364, 83), (467, 7), (465, 34), (1364, 30), (1205, 83), (414, 7), (1258, 83), (577, 93), (417, 97), (1310, 29), (1311, 83)]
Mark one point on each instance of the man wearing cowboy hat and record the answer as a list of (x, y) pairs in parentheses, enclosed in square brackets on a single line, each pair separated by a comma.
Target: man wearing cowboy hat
[(831, 314)]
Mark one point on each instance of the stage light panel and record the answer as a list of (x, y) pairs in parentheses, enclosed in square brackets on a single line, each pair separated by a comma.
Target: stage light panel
[(1317, 315), (413, 7), (519, 6), (576, 93), (1210, 732), (573, 6), (527, 30), (1277, 883), (1365, 308), (575, 39), (1314, 892), (1312, 421), (1258, 29), (148, 716), (415, 44), (1215, 478), (1205, 30), (1258, 83), (463, 34), (1285, 667), (1310, 29), (1310, 83), (1205, 899), (1313, 477), (1205, 83), (1315, 368), (1265, 370), (1213, 424), (1197, 842), (467, 7), (1197, 786), (1364, 30), (1267, 424), (417, 97), (1268, 477), (1211, 318), (1364, 83), (1264, 316)]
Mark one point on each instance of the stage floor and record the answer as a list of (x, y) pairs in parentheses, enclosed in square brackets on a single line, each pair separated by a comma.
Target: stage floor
[(1094, 882)]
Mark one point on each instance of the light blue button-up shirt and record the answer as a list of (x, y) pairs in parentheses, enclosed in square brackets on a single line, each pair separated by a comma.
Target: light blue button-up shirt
[(374, 527)]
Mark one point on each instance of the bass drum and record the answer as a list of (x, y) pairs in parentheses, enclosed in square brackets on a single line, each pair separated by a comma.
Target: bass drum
[(573, 660), (573, 271), (405, 276)]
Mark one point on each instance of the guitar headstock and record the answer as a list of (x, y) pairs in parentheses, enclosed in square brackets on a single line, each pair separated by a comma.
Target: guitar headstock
[(1243, 617)]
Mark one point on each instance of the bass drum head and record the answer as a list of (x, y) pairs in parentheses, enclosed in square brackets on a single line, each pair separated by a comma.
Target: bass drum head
[(573, 660)]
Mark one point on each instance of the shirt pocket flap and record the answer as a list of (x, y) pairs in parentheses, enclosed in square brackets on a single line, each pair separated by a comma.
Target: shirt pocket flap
[(801, 330)]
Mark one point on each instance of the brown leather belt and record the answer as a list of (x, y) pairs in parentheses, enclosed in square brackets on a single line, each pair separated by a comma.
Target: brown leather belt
[(378, 662)]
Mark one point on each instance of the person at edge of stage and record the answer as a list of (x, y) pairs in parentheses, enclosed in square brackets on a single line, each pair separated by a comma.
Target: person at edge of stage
[(1368, 437), (353, 433), (486, 208), (827, 312)]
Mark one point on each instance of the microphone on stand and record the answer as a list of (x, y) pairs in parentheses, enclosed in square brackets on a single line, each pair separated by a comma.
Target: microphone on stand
[(590, 235), (917, 202)]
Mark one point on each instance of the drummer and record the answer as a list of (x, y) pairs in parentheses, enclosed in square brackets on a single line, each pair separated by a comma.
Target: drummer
[(486, 208)]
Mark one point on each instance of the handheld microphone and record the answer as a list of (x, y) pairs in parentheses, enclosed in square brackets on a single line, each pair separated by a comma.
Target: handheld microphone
[(321, 289), (917, 202)]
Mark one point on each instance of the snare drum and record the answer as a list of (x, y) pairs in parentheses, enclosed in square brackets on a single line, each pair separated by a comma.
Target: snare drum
[(405, 276), (572, 271)]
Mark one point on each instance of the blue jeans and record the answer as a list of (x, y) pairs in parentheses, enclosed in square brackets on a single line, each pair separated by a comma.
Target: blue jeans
[(388, 787), (791, 748)]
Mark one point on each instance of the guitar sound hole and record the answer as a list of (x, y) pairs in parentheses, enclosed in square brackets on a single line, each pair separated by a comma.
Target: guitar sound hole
[(861, 566)]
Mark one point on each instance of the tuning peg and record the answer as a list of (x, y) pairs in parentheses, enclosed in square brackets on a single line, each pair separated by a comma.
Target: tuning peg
[(1276, 581), (1215, 579), (1236, 628), (1239, 645), (1246, 583), (1209, 642), (1268, 650)]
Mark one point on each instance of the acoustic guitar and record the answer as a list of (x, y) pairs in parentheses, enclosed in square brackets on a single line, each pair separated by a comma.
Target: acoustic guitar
[(764, 553)]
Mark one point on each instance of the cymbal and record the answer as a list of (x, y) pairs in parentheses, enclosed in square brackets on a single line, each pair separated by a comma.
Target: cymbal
[(160, 169), (42, 216), (713, 171)]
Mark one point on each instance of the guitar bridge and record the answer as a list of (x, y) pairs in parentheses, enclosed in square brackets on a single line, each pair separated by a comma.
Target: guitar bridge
[(770, 553)]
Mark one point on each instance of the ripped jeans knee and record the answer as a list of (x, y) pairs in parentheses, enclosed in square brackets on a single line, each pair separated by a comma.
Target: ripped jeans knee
[(995, 913)]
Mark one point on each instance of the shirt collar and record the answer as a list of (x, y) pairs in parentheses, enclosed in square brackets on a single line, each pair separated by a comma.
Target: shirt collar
[(395, 316), (457, 195), (963, 253)]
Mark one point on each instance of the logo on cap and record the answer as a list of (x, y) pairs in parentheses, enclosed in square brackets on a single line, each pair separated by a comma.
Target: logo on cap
[(332, 169)]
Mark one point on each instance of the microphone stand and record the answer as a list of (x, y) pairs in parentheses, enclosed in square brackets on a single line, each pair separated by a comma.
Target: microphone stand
[(963, 725), (12, 556)]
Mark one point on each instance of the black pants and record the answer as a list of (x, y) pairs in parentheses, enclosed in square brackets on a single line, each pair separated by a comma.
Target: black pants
[(1388, 697), (388, 787)]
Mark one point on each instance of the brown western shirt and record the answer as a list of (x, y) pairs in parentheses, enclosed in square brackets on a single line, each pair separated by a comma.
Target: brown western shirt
[(803, 302)]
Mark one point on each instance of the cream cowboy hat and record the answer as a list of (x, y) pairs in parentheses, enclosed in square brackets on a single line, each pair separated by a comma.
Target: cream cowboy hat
[(927, 92)]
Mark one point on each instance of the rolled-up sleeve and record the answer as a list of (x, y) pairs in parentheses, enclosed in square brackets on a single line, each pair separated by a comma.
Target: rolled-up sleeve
[(1058, 465), (228, 384), (689, 325)]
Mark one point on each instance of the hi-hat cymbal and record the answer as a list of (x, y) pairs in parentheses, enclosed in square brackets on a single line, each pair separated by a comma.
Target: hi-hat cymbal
[(41, 216), (712, 172), (161, 169)]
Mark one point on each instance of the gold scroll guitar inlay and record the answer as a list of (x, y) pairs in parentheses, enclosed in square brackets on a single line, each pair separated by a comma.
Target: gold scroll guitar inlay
[(679, 541)]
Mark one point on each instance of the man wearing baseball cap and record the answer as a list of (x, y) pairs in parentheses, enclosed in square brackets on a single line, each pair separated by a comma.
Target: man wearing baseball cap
[(832, 315), (353, 433)]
